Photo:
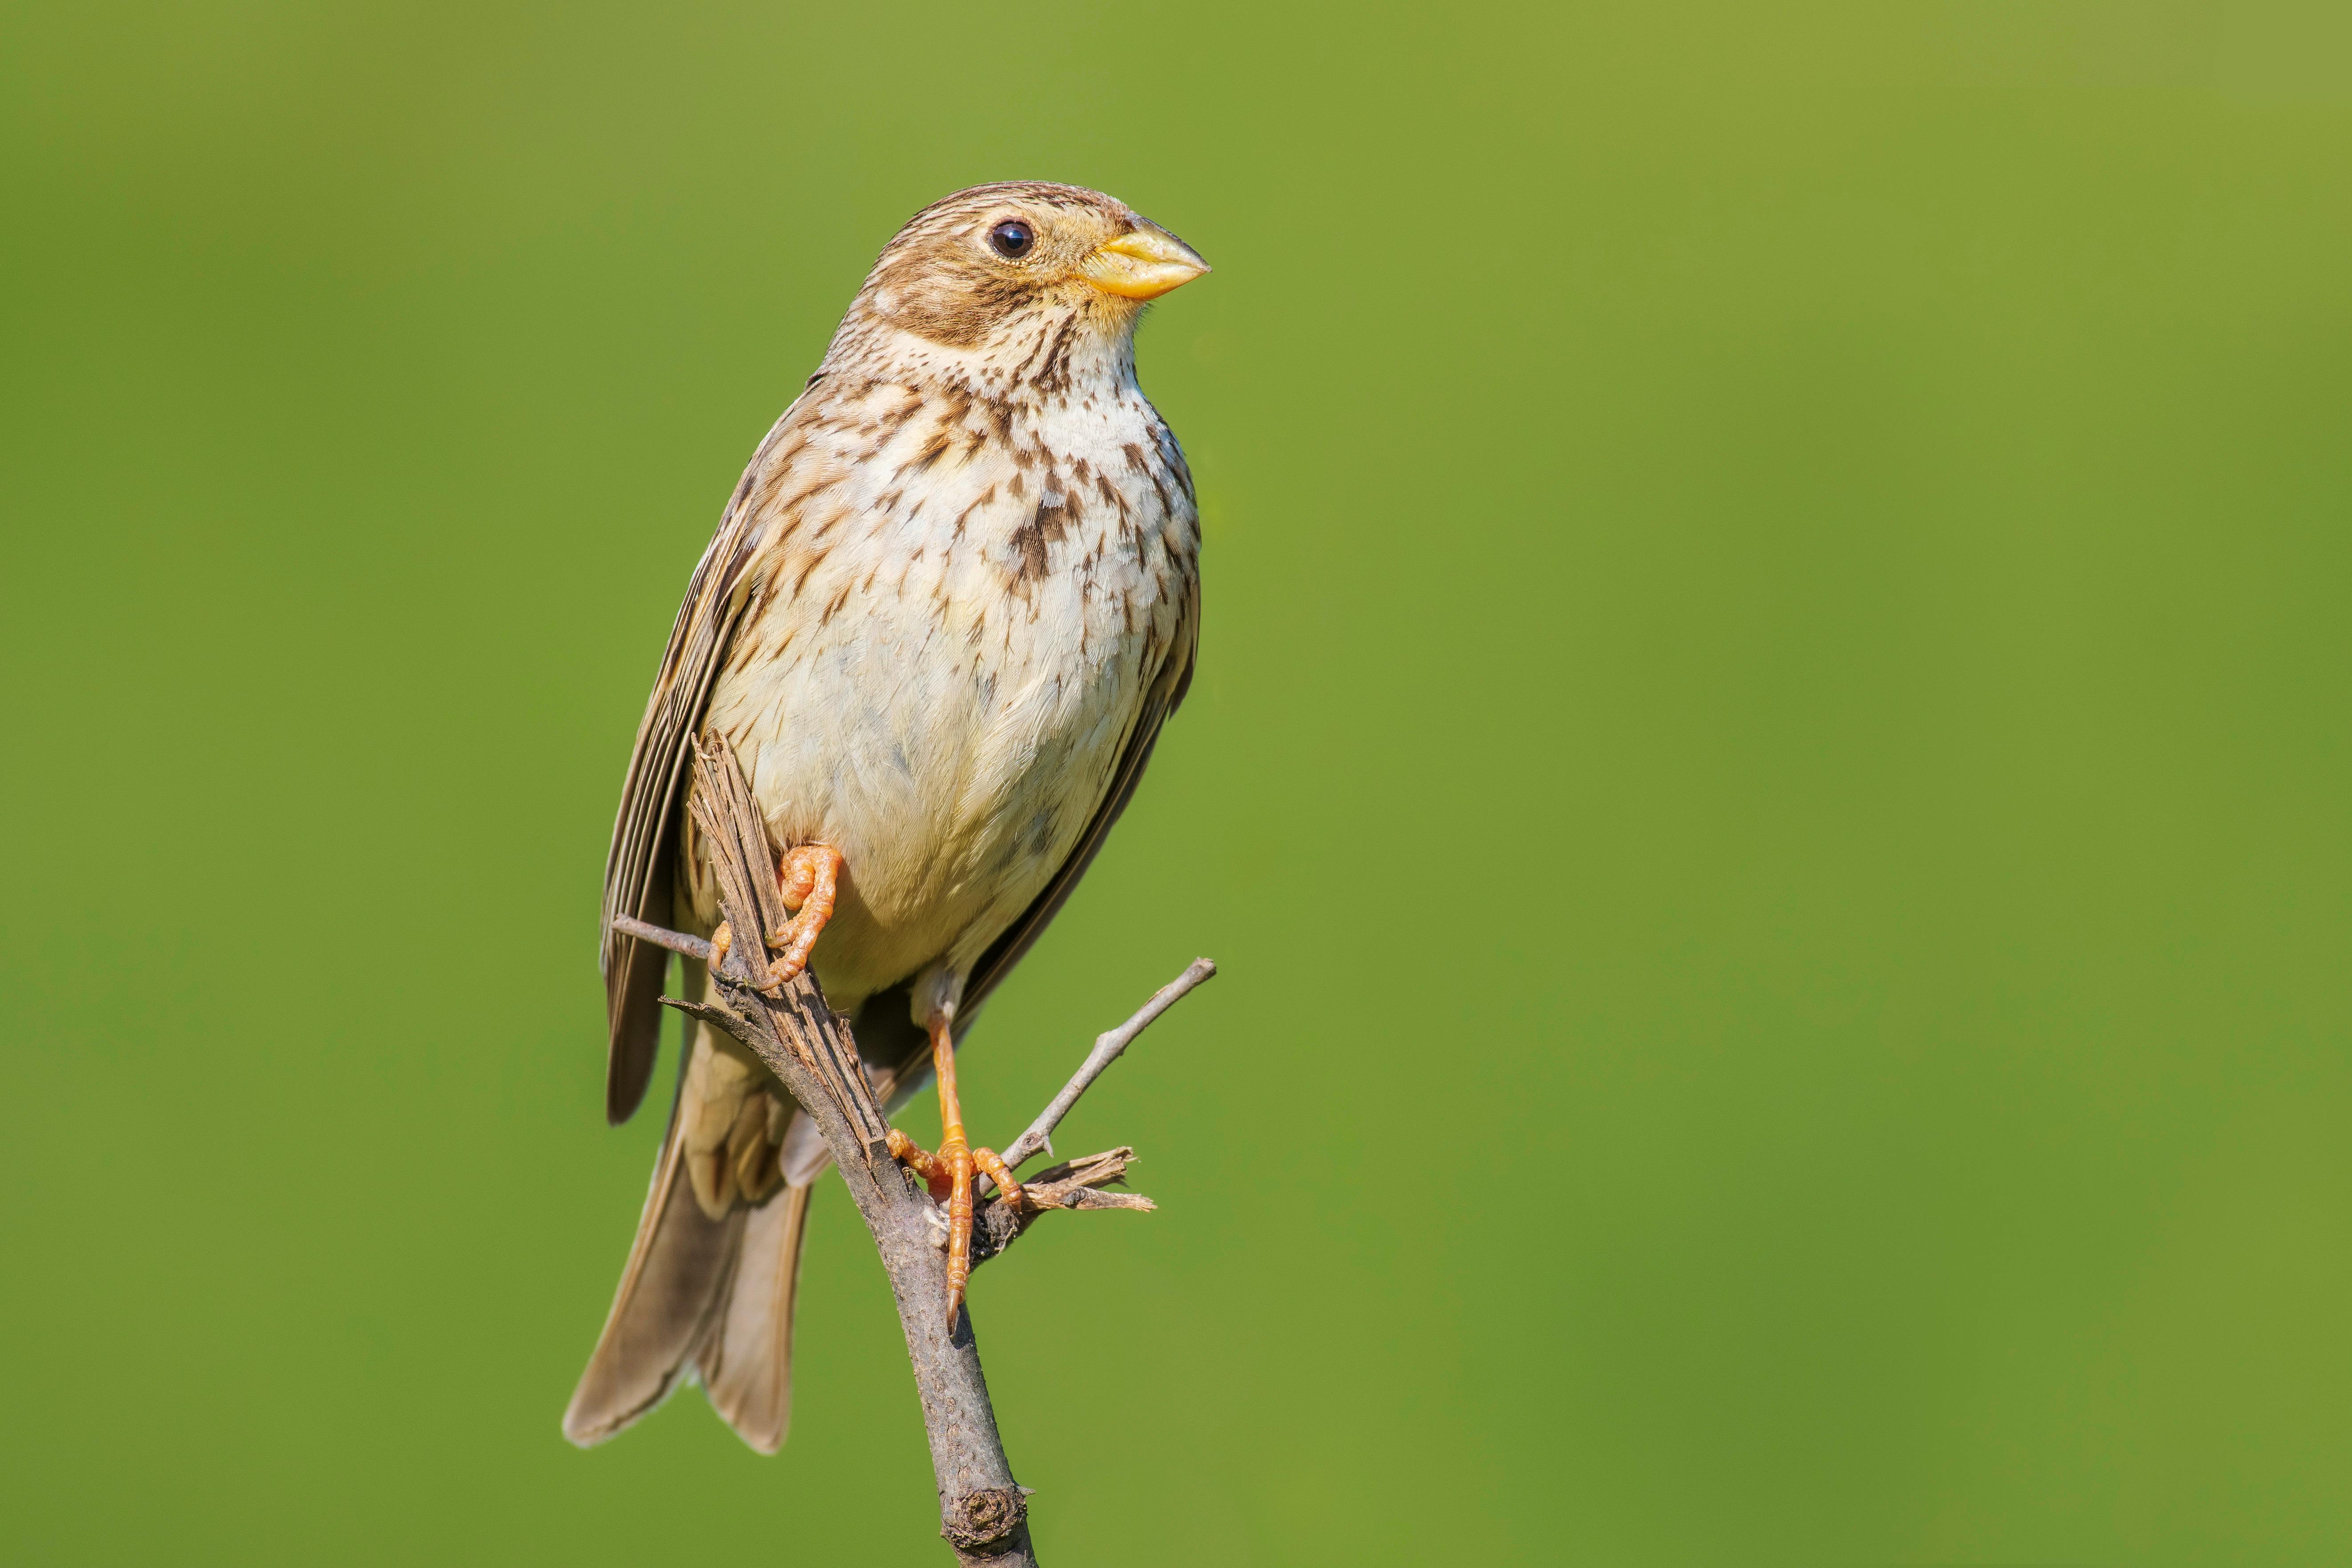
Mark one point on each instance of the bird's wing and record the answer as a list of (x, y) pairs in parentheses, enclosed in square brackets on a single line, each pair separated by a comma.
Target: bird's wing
[(640, 868), (1166, 691)]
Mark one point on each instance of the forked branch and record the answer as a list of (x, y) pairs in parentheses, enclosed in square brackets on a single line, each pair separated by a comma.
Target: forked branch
[(983, 1512)]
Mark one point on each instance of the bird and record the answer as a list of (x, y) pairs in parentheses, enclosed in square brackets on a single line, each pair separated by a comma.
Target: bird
[(946, 613)]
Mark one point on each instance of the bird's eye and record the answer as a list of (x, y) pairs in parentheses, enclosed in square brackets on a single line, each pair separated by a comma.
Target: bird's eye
[(1011, 240)]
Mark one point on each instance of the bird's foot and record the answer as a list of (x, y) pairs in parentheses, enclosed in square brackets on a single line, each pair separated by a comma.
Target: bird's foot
[(950, 1174), (810, 880)]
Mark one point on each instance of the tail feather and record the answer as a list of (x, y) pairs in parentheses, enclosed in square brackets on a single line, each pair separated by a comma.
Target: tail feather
[(679, 1263), (747, 1360), (696, 1293)]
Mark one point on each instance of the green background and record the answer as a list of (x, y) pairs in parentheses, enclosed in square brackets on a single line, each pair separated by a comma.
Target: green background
[(1768, 777)]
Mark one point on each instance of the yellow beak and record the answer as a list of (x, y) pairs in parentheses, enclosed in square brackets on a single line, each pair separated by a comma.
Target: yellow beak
[(1143, 264)]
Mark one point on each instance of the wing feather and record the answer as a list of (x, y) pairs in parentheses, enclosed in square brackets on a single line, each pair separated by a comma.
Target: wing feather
[(639, 869)]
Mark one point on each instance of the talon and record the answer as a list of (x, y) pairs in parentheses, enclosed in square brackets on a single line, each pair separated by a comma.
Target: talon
[(956, 1159), (1008, 1191), (721, 941), (810, 880), (912, 1155), (796, 877), (951, 1173), (959, 1161)]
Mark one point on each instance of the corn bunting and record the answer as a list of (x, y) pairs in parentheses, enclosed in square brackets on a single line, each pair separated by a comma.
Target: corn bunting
[(948, 609)]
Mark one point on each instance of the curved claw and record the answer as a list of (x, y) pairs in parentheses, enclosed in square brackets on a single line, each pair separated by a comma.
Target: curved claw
[(916, 1158), (810, 880), (951, 1173), (1008, 1190)]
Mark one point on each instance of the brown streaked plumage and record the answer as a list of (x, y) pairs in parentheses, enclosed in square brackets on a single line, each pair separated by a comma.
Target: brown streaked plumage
[(946, 612)]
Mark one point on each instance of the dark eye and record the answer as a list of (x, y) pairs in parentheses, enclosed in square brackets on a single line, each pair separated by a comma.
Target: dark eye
[(1011, 239)]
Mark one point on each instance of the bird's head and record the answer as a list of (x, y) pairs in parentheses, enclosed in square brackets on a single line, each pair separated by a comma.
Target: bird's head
[(975, 282)]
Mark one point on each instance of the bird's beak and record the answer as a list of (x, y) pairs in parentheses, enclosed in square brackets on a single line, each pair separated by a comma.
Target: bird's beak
[(1143, 264)]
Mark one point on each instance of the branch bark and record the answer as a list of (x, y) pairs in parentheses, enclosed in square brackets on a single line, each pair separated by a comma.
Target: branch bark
[(983, 1511)]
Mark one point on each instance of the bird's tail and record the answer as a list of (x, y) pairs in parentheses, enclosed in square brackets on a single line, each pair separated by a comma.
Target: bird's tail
[(699, 1295)]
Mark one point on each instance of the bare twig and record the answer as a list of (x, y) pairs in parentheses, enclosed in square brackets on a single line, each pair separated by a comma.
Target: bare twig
[(694, 947), (1077, 1184), (1073, 1185), (983, 1512), (1039, 1139)]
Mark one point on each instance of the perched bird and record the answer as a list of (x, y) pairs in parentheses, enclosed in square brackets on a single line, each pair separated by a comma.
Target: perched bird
[(950, 604)]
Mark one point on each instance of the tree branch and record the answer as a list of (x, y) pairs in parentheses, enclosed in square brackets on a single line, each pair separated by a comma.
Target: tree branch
[(983, 1511), (694, 947), (1108, 1049)]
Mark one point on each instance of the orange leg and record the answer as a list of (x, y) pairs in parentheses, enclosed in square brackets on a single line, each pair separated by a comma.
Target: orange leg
[(950, 1172), (810, 878)]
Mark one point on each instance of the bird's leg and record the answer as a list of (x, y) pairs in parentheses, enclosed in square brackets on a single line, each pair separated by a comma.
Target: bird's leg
[(810, 878), (920, 1161), (950, 1172)]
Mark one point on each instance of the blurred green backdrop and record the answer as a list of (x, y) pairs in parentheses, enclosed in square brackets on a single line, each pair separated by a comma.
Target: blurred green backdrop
[(1768, 775)]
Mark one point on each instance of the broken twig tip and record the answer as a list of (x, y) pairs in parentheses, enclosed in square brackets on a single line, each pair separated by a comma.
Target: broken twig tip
[(693, 947)]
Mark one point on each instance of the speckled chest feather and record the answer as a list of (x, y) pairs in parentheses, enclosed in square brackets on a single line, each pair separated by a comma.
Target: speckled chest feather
[(959, 601)]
